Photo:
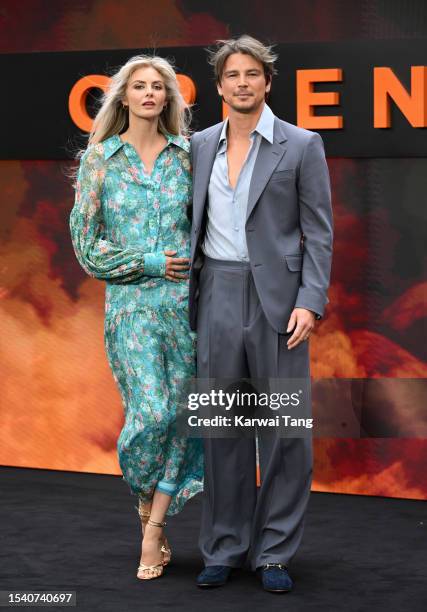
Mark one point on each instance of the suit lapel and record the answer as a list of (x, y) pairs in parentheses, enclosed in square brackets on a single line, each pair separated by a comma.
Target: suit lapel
[(206, 157), (269, 156)]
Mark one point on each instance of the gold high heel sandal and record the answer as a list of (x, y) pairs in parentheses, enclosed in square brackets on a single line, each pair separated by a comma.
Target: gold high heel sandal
[(144, 512), (156, 570)]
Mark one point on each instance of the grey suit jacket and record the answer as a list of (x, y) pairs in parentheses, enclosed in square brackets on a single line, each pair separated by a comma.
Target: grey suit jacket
[(289, 226)]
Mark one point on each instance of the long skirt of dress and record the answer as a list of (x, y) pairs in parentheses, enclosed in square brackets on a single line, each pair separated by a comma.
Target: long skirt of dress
[(151, 353)]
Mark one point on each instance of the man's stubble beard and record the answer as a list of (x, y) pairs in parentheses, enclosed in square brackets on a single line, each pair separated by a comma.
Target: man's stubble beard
[(247, 110)]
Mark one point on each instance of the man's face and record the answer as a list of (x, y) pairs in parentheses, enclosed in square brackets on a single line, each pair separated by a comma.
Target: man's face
[(243, 85)]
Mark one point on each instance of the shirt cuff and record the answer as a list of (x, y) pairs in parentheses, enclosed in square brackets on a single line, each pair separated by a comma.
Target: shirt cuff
[(155, 264)]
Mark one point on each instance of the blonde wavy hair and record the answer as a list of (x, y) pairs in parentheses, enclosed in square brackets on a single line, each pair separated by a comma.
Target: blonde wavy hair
[(113, 119)]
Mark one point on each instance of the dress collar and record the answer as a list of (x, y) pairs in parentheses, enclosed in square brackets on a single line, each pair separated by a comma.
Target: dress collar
[(114, 143)]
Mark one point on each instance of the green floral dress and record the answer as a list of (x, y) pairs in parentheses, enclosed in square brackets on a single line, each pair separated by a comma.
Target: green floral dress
[(122, 222)]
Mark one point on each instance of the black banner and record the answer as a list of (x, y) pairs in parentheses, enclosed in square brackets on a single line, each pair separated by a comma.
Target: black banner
[(34, 103)]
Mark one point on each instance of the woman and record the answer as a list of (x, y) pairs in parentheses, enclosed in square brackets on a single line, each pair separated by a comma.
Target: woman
[(130, 228)]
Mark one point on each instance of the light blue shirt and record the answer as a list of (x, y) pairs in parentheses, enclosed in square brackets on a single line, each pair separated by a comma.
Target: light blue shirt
[(225, 237)]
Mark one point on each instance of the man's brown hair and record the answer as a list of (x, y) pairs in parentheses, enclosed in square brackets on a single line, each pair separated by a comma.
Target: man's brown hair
[(244, 44)]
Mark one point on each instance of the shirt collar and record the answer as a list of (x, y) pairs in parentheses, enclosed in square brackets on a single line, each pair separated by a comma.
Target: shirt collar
[(264, 127), (114, 143)]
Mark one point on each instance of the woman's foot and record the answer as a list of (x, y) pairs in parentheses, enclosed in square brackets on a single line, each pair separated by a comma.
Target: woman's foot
[(166, 551), (152, 557), (144, 511)]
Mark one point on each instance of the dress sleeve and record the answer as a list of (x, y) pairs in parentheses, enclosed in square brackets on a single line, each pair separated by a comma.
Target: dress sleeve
[(98, 256)]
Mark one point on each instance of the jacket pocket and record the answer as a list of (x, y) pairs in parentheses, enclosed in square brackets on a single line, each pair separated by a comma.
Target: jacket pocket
[(294, 262), (283, 175)]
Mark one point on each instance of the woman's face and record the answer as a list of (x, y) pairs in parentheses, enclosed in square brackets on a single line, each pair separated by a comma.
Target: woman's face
[(145, 93)]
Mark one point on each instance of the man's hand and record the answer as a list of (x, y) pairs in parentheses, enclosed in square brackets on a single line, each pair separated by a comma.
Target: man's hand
[(175, 265), (304, 321)]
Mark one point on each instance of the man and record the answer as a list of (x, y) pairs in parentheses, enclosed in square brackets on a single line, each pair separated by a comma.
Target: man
[(260, 269)]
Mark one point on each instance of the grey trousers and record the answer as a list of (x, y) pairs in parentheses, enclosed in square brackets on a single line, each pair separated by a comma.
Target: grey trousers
[(239, 522)]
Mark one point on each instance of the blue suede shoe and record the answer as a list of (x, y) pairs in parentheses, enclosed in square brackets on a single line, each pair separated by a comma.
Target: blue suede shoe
[(214, 575), (275, 578)]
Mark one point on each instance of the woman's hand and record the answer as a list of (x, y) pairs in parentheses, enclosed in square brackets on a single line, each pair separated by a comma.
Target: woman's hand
[(175, 266)]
